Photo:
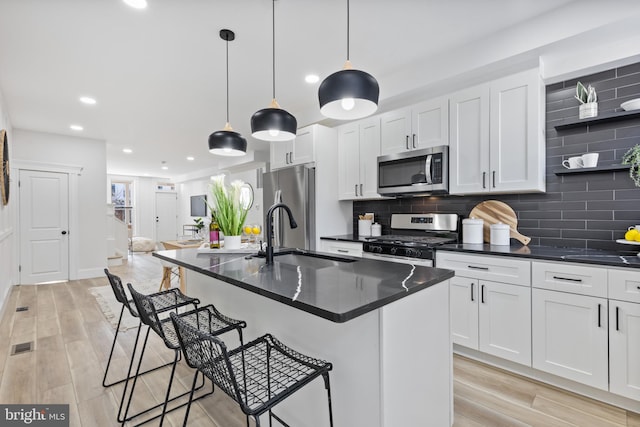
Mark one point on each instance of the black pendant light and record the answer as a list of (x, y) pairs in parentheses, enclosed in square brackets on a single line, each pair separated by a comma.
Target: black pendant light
[(273, 123), (348, 94), (226, 142)]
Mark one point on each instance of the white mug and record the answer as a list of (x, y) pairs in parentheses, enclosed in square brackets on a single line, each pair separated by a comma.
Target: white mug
[(573, 162), (637, 227), (590, 160)]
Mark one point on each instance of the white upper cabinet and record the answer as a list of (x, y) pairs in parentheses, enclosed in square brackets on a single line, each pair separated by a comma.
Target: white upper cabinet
[(295, 152), (497, 142), (420, 126), (358, 151)]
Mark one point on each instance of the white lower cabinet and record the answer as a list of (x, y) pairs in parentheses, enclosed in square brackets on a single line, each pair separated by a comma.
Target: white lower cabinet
[(463, 294), (624, 332), (570, 336), (505, 321), (624, 349), (340, 247), (492, 317)]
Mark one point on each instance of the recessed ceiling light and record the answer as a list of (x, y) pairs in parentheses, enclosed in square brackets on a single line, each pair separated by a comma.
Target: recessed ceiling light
[(311, 78), (191, 158), (127, 150), (136, 4), (165, 168), (87, 100), (76, 127)]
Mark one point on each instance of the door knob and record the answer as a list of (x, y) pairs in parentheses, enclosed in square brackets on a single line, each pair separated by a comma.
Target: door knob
[(64, 232)]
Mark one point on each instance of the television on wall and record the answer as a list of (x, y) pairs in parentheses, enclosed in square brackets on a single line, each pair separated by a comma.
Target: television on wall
[(199, 205)]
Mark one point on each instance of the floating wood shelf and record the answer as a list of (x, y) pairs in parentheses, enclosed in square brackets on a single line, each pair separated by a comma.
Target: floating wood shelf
[(597, 169), (603, 118)]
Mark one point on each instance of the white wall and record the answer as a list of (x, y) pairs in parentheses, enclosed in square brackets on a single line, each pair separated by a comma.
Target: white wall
[(7, 233), (90, 248)]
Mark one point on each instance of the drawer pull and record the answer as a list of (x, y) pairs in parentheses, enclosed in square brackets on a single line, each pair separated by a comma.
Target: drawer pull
[(472, 291), (617, 318), (475, 267), (569, 279), (599, 311), (482, 294), (344, 251)]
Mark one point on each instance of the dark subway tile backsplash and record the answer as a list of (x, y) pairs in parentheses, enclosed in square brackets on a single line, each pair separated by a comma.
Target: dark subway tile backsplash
[(581, 210)]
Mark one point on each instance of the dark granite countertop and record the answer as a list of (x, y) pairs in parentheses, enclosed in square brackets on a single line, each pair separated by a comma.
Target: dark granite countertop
[(348, 238), (624, 258), (335, 290), (550, 253)]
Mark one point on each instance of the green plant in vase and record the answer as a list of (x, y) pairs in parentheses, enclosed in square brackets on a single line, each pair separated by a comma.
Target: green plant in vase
[(230, 205), (632, 158), (199, 225)]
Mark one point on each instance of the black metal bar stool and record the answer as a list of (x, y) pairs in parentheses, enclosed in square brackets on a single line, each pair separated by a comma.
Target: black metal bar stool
[(168, 300), (257, 375), (206, 319)]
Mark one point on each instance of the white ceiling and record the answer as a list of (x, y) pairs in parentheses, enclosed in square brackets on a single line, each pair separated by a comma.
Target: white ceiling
[(159, 74)]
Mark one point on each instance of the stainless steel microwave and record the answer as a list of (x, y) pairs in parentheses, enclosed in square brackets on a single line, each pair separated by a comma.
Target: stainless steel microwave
[(414, 173)]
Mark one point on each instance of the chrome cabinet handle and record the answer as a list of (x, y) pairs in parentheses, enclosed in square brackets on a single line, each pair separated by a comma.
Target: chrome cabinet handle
[(472, 291), (414, 140), (407, 142), (286, 158), (290, 156), (475, 267), (599, 311), (344, 251), (356, 189), (482, 294), (484, 176), (494, 179), (361, 190), (617, 318)]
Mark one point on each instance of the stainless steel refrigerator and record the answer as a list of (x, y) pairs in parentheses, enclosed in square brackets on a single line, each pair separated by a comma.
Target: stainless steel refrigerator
[(295, 187)]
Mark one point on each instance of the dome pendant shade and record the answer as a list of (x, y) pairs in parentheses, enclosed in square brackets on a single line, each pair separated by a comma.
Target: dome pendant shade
[(273, 124), (348, 95), (227, 143)]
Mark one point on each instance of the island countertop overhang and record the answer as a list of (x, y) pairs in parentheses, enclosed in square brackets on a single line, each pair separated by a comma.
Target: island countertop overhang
[(337, 293)]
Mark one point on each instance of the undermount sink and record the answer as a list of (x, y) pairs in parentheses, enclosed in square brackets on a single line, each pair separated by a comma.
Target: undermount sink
[(308, 260)]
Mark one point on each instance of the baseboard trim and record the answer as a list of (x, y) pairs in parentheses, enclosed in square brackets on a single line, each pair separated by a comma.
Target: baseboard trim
[(90, 273)]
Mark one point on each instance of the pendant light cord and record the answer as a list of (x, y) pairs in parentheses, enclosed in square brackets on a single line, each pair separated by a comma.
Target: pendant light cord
[(273, 40), (227, 39), (348, 30)]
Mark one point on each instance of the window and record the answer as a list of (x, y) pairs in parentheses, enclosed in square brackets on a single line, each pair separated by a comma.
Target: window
[(122, 198)]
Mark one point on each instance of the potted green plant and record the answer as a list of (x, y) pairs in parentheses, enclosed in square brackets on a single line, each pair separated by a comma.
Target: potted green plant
[(588, 101), (230, 206), (632, 157), (199, 226)]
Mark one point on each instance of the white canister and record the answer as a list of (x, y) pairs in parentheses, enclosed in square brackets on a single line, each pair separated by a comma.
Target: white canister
[(376, 230), (499, 234), (364, 227), (472, 229)]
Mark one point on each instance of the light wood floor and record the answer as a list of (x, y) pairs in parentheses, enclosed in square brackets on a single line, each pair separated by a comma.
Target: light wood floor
[(72, 340)]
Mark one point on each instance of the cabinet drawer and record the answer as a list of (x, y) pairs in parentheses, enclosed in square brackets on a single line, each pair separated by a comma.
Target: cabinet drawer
[(342, 248), (624, 285), (497, 269), (567, 277)]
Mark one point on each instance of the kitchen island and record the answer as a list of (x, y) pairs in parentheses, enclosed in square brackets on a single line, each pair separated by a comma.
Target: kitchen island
[(383, 326)]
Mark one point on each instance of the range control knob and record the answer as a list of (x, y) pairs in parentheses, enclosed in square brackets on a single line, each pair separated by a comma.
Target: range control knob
[(409, 252), (393, 251)]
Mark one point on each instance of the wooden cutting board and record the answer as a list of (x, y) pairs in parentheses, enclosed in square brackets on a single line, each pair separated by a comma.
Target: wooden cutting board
[(493, 212)]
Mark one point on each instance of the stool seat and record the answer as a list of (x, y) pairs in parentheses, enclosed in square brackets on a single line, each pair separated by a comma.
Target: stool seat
[(257, 375)]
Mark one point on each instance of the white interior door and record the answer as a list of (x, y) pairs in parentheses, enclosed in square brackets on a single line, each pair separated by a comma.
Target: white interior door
[(166, 216), (44, 226)]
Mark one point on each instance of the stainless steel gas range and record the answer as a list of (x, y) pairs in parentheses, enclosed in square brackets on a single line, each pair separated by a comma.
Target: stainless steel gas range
[(413, 238)]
